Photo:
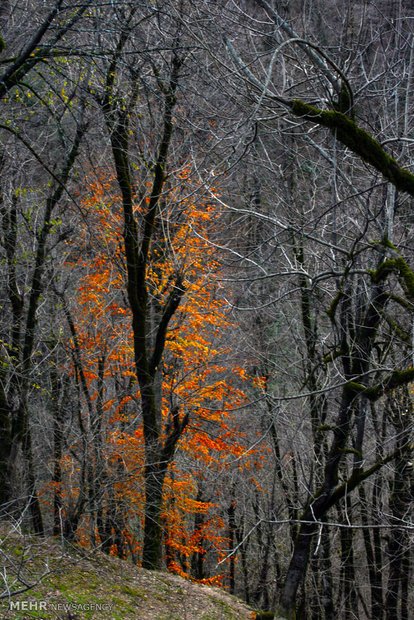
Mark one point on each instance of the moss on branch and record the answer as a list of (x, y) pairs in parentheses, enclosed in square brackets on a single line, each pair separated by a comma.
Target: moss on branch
[(394, 380), (333, 306), (330, 357), (359, 142), (402, 270)]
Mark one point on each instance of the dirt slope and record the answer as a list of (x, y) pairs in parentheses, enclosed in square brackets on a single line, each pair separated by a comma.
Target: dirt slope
[(79, 586)]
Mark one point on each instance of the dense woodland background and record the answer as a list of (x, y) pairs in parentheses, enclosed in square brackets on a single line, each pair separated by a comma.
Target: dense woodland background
[(207, 326)]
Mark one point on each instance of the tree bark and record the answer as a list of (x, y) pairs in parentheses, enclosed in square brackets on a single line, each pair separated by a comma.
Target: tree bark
[(158, 452)]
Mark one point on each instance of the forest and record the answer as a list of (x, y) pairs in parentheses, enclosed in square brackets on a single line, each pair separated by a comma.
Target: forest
[(207, 293)]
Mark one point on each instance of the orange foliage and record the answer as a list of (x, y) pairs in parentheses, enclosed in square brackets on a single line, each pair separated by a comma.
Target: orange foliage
[(195, 374)]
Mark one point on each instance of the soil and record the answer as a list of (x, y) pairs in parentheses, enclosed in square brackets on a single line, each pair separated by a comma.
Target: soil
[(68, 583)]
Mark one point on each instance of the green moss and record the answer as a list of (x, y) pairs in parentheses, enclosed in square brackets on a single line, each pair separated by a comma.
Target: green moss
[(118, 601), (401, 301), (401, 333), (63, 587), (355, 138), (359, 142), (355, 387), (383, 271), (394, 380), (403, 271), (2, 44), (406, 278), (326, 427), (387, 243), (33, 614), (122, 609), (226, 609), (345, 103), (76, 581), (330, 357), (132, 592), (334, 304), (351, 451)]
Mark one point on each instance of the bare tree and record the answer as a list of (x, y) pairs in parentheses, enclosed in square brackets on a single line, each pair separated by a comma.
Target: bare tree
[(343, 248)]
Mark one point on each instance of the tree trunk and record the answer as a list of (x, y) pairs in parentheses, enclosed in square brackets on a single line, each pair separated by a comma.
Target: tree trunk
[(399, 507), (231, 535), (374, 572), (350, 604), (148, 351)]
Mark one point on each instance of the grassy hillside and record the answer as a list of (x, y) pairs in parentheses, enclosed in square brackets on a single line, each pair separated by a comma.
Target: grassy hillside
[(70, 584)]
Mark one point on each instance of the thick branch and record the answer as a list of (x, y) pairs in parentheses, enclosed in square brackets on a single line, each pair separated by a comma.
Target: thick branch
[(169, 311), (159, 168), (394, 380), (359, 142), (31, 55), (36, 283)]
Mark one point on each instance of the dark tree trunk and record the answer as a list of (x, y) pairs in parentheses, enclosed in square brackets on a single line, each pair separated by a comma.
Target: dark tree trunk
[(399, 503), (244, 562), (57, 413), (231, 535), (374, 572), (348, 579), (148, 351)]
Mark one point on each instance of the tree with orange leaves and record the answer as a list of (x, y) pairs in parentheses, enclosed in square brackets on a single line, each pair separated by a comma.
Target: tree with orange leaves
[(192, 381)]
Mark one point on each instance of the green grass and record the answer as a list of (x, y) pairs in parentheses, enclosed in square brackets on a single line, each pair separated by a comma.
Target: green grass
[(133, 592), (78, 578)]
